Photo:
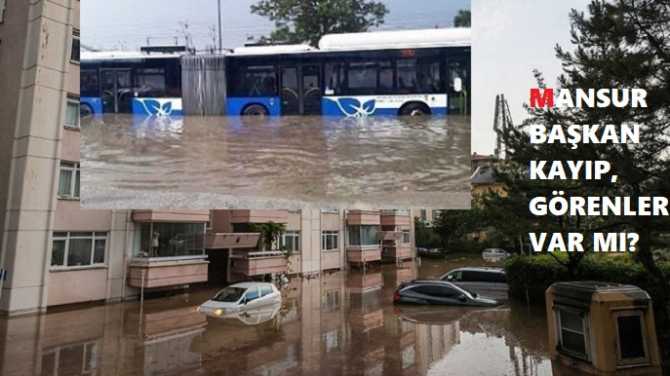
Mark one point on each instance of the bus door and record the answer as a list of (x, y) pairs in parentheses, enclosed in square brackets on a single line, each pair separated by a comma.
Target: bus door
[(458, 86), (117, 90), (311, 90), (301, 90)]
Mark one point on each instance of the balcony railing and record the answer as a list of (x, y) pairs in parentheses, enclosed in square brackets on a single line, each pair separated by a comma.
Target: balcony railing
[(167, 271), (260, 263)]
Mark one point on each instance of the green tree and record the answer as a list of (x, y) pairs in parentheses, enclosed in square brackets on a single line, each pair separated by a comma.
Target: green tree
[(454, 226), (425, 236), (298, 21), (462, 19), (617, 44), (270, 233)]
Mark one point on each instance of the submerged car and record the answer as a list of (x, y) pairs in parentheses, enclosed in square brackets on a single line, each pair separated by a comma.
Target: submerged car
[(428, 252), (439, 292), (495, 254), (491, 282), (241, 297)]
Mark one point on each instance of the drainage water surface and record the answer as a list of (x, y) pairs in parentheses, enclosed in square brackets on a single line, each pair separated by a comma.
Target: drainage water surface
[(287, 162), (340, 323)]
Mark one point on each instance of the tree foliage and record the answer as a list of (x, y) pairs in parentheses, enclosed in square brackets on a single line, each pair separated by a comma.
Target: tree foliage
[(270, 234), (462, 19), (298, 21), (616, 44)]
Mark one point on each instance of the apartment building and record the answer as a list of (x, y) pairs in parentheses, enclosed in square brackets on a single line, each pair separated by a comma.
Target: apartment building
[(54, 253)]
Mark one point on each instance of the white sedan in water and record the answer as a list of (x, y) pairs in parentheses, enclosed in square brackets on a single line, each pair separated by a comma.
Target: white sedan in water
[(241, 297)]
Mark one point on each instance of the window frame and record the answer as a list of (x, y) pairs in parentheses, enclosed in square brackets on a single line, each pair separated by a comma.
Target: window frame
[(295, 234), (94, 236), (72, 101), (406, 236), (75, 168), (325, 235), (586, 334), (625, 362), (76, 36)]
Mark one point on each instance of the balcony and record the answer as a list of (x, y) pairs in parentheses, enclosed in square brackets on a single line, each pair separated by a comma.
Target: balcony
[(158, 272), (176, 216), (363, 254), (397, 252), (363, 217), (259, 216), (395, 218), (259, 263), (231, 240)]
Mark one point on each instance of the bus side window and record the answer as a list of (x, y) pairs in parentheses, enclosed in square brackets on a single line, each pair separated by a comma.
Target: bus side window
[(89, 83), (334, 79), (406, 72)]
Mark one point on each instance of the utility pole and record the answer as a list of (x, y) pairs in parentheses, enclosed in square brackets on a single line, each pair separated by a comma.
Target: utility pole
[(220, 35)]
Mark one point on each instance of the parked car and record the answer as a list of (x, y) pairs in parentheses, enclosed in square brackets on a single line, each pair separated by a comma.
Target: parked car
[(241, 297), (428, 252), (495, 254), (491, 282), (438, 292)]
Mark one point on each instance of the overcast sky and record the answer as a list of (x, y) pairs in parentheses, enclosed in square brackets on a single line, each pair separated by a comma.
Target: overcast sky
[(127, 23), (510, 38)]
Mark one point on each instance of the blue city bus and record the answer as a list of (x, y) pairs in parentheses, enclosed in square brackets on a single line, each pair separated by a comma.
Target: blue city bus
[(131, 82), (414, 72)]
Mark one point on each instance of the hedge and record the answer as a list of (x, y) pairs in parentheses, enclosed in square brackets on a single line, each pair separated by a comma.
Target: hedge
[(529, 276)]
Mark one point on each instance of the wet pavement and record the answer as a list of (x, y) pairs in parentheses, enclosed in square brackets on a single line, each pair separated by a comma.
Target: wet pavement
[(287, 162), (336, 324)]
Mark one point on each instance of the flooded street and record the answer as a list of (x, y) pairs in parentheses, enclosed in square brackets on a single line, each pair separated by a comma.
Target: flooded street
[(336, 324), (287, 162)]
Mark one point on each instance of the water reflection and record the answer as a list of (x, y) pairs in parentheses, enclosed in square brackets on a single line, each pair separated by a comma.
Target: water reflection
[(335, 324), (292, 161)]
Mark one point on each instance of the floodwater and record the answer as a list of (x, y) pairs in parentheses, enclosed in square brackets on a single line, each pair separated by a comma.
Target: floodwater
[(287, 162), (334, 324)]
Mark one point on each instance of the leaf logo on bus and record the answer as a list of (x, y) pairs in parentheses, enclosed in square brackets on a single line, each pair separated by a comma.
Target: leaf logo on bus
[(352, 107), (154, 107)]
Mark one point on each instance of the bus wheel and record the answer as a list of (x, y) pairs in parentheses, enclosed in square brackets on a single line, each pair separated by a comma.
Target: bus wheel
[(414, 109), (255, 110), (85, 110)]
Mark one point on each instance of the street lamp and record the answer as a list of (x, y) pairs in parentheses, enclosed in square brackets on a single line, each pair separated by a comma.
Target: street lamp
[(220, 41)]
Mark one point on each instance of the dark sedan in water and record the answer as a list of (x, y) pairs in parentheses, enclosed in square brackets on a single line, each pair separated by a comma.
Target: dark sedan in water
[(439, 292)]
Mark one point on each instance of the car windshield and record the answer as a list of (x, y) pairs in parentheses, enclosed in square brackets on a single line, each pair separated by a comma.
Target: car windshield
[(229, 294)]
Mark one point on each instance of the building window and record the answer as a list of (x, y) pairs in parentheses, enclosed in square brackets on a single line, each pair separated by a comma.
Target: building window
[(74, 54), (72, 249), (631, 341), (363, 235), (68, 182), (72, 113), (405, 236), (329, 240), (423, 215), (573, 332), (80, 359), (171, 239), (3, 4), (290, 241)]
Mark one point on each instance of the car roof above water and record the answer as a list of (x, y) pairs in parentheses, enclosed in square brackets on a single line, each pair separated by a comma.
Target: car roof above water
[(246, 285), (479, 269)]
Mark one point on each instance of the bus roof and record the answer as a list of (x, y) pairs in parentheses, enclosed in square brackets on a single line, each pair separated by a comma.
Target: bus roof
[(275, 49), (378, 40), (126, 55)]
